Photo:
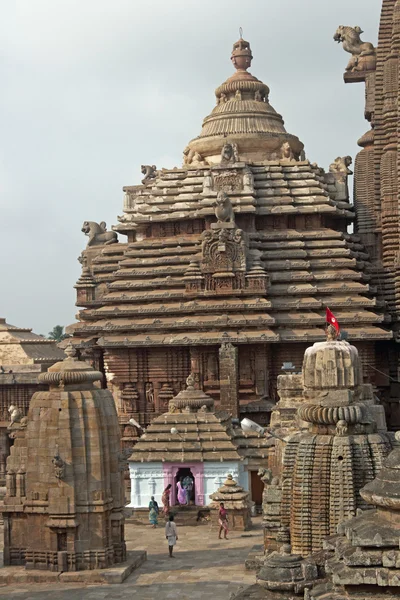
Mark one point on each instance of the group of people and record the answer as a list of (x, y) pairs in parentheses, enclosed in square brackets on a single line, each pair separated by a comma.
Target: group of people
[(171, 533)]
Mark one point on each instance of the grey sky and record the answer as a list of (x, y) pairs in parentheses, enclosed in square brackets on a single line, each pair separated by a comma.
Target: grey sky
[(92, 89)]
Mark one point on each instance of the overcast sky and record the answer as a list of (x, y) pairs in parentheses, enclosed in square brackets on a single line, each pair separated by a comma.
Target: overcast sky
[(92, 89)]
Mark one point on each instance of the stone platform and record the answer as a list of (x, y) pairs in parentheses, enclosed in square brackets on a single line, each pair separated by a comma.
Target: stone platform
[(117, 574), (184, 515)]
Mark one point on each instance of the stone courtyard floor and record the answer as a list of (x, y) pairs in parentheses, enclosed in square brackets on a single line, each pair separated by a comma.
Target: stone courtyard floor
[(204, 568)]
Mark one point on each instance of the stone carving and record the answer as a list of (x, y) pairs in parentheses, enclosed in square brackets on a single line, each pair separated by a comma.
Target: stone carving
[(149, 393), (229, 153), (223, 250), (265, 475), (58, 465), (16, 415), (338, 175), (222, 99), (341, 165), (191, 157), (341, 428), (98, 234), (287, 152), (223, 208), (363, 53), (230, 181), (203, 409), (149, 172), (258, 97), (172, 408), (238, 95)]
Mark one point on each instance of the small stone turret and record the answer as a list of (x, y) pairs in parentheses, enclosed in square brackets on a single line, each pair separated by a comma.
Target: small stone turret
[(325, 467), (236, 502)]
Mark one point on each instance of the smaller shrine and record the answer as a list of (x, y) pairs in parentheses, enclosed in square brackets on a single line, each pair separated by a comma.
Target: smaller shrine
[(63, 508), (236, 502), (189, 441)]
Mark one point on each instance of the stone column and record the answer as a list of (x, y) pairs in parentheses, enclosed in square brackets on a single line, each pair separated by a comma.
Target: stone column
[(229, 378)]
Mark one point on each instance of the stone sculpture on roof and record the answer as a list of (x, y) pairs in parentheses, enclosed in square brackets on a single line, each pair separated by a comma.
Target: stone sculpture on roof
[(149, 172), (98, 234), (363, 53)]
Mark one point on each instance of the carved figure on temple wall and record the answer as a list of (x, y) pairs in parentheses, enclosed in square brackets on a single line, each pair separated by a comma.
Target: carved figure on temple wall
[(16, 416), (98, 234), (258, 96), (238, 95), (149, 172), (265, 475), (190, 157), (222, 99), (352, 43), (287, 152), (340, 171), (341, 428), (149, 393), (58, 465), (229, 153), (223, 208)]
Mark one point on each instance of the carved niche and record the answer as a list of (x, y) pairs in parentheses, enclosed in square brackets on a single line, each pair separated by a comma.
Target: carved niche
[(223, 250)]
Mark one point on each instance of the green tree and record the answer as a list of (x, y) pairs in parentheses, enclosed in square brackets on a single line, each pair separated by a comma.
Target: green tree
[(57, 334)]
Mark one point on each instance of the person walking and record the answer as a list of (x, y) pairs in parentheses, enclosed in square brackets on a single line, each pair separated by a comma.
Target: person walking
[(171, 534), (153, 512), (223, 521)]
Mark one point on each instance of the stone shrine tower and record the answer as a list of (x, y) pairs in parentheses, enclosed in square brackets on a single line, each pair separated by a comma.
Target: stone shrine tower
[(325, 467), (64, 500)]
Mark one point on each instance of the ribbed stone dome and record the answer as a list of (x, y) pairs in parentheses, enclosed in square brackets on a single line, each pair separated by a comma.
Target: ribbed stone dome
[(243, 116)]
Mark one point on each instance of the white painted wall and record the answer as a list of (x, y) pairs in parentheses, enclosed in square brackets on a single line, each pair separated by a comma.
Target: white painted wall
[(147, 479)]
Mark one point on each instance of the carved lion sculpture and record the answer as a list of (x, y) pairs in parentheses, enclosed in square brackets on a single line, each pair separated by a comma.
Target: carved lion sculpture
[(98, 234), (265, 475), (341, 165), (352, 43), (149, 172), (223, 208), (229, 153), (16, 416)]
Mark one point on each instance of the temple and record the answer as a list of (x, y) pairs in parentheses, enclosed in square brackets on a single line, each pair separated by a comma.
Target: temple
[(228, 265)]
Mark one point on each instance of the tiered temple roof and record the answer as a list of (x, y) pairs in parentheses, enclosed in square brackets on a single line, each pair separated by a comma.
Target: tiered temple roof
[(245, 244)]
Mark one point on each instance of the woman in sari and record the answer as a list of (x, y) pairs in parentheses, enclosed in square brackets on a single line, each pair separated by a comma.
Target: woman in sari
[(182, 497), (223, 521), (153, 512), (165, 499)]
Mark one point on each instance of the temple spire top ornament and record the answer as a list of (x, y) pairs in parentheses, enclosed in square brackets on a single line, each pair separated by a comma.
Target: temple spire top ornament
[(241, 54)]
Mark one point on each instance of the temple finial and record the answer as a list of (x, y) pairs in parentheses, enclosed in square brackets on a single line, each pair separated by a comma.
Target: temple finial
[(241, 54)]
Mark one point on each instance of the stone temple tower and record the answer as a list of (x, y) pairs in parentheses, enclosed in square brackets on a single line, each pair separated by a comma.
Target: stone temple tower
[(63, 506), (325, 467)]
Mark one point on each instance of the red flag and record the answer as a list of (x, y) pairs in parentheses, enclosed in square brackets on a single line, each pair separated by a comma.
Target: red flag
[(332, 320)]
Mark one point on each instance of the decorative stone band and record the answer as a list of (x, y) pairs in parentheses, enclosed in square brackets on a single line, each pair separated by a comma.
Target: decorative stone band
[(69, 377), (193, 402), (328, 415), (252, 85)]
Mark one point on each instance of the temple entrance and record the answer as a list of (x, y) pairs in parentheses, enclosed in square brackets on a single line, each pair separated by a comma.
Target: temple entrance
[(185, 492), (257, 488)]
